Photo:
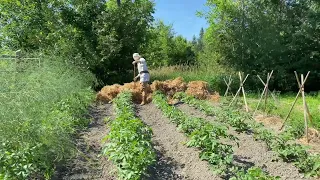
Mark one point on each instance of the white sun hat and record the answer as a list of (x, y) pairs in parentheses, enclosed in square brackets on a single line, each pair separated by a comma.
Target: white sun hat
[(136, 55)]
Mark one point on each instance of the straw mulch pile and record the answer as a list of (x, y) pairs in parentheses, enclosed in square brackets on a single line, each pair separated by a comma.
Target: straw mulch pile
[(169, 87), (199, 89)]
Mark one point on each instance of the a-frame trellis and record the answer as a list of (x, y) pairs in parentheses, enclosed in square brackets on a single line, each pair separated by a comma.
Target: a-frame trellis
[(307, 114), (228, 83), (265, 92), (242, 81)]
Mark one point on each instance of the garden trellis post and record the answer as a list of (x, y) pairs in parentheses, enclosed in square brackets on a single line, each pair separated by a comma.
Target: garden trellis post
[(242, 81), (305, 106), (228, 86), (264, 92)]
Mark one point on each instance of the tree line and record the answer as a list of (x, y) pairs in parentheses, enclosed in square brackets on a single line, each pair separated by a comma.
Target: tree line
[(257, 36), (254, 36), (98, 35)]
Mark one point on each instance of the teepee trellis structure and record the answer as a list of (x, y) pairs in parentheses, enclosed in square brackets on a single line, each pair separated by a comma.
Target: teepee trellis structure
[(264, 92), (307, 114), (228, 83), (241, 88)]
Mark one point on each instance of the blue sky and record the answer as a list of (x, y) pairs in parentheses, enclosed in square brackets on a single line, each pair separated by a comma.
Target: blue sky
[(182, 14)]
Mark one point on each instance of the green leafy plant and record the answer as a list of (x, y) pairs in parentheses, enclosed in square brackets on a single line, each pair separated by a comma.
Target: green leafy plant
[(202, 134), (243, 121), (222, 115), (253, 174), (42, 108), (129, 141)]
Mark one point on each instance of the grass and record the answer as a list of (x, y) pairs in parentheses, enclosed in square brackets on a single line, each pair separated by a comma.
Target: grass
[(214, 74), (282, 108), (41, 108)]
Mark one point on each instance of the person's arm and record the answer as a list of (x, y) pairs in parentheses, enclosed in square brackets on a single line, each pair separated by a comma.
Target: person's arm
[(139, 61), (135, 78), (135, 62)]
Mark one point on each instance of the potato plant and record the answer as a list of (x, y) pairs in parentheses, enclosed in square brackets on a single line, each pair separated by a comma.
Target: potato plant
[(129, 141), (206, 136), (228, 116), (289, 152), (253, 174), (202, 134)]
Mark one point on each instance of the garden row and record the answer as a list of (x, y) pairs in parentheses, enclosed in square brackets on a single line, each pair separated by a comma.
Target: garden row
[(281, 144), (206, 137), (129, 144)]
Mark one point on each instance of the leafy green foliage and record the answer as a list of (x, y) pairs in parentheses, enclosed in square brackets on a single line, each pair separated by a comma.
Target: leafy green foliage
[(222, 115), (129, 141), (164, 48), (202, 134), (311, 165), (41, 110), (95, 33), (242, 121), (205, 136), (252, 174), (19, 162), (257, 36)]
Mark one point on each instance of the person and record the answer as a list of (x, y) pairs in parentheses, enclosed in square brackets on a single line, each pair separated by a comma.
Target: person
[(143, 75)]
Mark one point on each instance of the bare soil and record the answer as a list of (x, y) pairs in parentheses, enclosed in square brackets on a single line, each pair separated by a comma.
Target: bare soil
[(253, 153), (88, 164), (175, 160), (271, 122), (274, 123)]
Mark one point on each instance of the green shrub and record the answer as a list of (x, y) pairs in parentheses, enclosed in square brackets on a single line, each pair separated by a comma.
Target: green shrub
[(41, 109)]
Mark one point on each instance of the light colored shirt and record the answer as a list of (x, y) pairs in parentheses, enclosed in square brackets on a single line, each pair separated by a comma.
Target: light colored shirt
[(142, 65)]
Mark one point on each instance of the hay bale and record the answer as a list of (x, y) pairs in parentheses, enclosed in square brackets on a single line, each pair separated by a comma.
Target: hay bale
[(170, 87), (198, 89), (108, 93), (136, 88), (215, 97), (157, 86)]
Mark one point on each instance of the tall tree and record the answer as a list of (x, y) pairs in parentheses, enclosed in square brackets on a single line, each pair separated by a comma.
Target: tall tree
[(257, 36), (200, 40)]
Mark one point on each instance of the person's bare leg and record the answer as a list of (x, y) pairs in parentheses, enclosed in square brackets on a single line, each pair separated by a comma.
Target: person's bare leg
[(143, 84)]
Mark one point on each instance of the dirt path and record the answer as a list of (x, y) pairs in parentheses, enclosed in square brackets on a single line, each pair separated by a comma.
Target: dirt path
[(88, 165), (253, 153), (175, 160)]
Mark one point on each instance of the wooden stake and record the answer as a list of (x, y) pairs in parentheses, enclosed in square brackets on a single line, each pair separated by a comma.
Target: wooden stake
[(228, 85), (295, 100), (304, 108), (243, 91), (264, 92), (274, 98), (309, 115), (266, 96)]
